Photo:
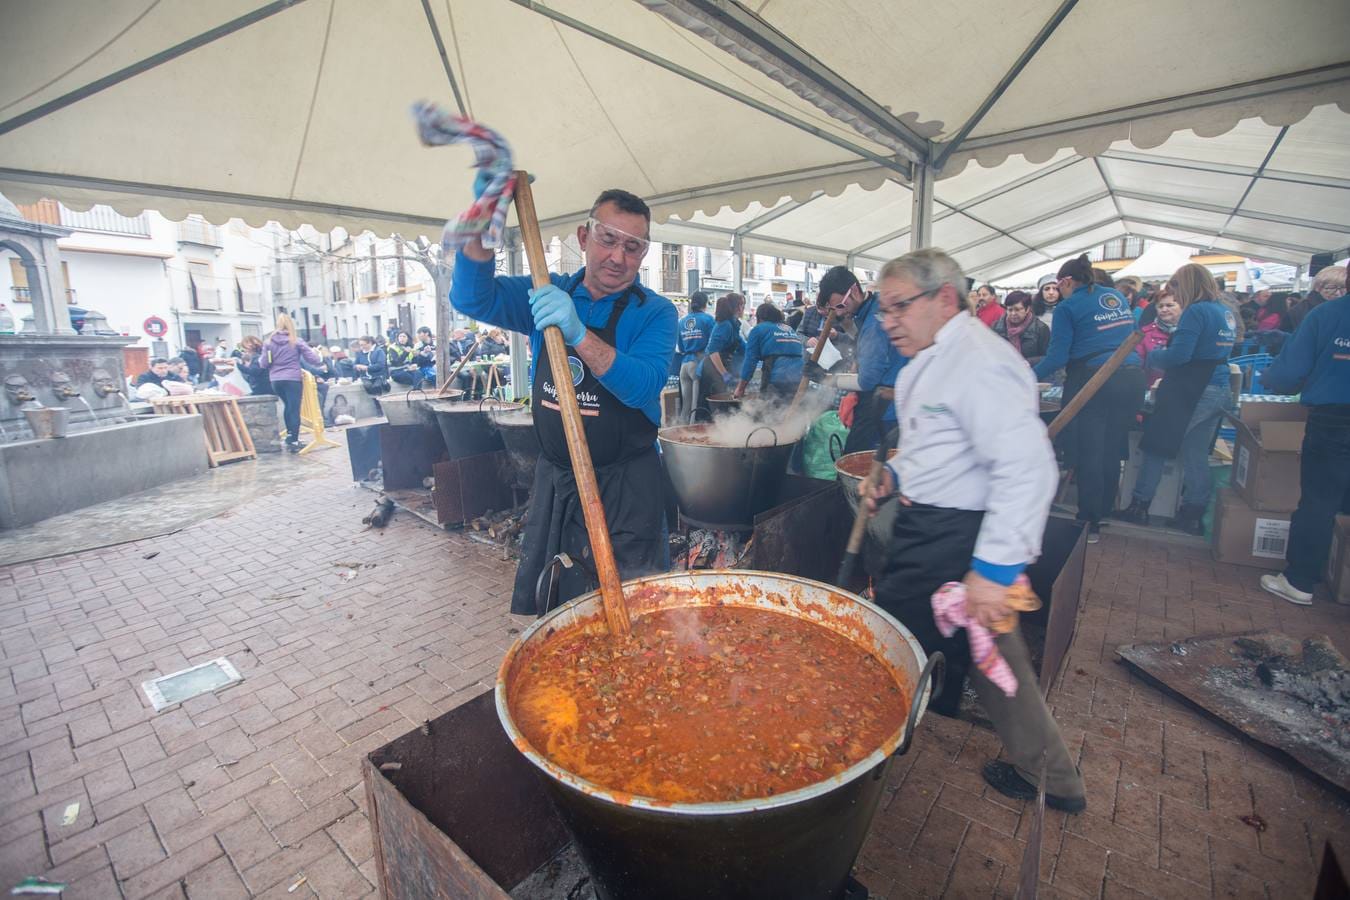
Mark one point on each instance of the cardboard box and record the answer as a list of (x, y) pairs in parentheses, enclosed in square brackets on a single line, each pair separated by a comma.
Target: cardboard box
[(1337, 576), (1256, 408), (1266, 463), (1249, 537), (1168, 496)]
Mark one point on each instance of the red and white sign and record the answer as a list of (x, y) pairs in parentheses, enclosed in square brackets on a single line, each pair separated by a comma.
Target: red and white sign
[(155, 327)]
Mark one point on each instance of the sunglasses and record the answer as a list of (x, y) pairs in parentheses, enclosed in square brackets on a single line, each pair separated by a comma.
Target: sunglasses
[(609, 238)]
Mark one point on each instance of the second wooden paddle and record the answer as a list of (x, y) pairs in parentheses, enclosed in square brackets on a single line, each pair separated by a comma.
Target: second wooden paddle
[(1094, 384), (815, 358), (611, 591)]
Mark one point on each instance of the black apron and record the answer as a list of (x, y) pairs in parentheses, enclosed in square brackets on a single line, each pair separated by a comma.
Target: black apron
[(1077, 374), (1174, 404), (622, 443), (930, 546)]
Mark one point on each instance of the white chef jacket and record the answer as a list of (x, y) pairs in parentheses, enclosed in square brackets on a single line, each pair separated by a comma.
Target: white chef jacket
[(971, 437)]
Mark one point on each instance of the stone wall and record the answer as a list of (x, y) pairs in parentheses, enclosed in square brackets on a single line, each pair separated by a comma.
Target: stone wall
[(37, 357), (262, 415), (40, 479)]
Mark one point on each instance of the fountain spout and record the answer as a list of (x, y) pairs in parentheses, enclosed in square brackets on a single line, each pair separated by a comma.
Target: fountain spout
[(62, 387), (105, 385), (17, 387)]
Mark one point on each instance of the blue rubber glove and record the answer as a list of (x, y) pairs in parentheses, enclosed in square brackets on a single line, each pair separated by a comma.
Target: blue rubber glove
[(551, 305)]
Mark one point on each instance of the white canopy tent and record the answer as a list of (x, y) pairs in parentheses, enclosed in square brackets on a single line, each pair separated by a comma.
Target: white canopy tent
[(795, 130)]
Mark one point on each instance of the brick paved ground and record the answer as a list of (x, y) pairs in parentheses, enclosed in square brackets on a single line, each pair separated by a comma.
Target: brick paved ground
[(242, 793)]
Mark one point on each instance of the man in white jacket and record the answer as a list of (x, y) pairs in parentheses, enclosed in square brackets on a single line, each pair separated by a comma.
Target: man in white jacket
[(976, 474)]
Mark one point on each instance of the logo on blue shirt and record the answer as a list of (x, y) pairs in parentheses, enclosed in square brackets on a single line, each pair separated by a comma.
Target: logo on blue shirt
[(578, 371), (1111, 302)]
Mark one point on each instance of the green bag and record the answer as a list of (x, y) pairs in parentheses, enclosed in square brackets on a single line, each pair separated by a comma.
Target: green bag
[(824, 443)]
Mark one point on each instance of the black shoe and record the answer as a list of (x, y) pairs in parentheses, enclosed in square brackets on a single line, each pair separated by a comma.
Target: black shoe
[(1002, 777), (1190, 519), (292, 448), (1094, 532), (1136, 513)]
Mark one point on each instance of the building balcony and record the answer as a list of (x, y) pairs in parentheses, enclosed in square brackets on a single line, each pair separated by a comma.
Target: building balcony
[(106, 220), (24, 295), (200, 232)]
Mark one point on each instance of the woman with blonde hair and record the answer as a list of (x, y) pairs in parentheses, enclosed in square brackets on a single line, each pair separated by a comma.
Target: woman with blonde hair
[(280, 356), (1191, 400)]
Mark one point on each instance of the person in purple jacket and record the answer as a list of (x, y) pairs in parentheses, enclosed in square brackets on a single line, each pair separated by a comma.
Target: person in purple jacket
[(281, 355)]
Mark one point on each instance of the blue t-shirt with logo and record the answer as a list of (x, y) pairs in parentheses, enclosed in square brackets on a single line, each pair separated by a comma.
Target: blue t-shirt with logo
[(774, 340), (1316, 359), (695, 330), (726, 339), (1206, 331), (1087, 327)]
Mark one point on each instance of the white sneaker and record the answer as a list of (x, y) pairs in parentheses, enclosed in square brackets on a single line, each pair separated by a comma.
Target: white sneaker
[(1280, 587)]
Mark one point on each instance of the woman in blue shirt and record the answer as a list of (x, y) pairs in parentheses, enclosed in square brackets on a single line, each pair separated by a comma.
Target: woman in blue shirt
[(780, 350), (1088, 325), (694, 332), (722, 358), (1191, 400)]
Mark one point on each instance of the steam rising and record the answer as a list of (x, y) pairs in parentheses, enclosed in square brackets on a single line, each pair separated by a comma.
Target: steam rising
[(747, 427)]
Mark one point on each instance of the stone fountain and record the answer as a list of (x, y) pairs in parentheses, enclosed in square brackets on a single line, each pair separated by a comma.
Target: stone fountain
[(107, 452)]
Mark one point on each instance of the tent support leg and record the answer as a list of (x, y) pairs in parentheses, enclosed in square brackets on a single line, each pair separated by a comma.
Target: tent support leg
[(519, 364), (738, 264), (921, 219)]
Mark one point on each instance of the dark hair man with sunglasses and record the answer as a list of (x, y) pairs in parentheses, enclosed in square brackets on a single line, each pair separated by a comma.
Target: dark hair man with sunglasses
[(619, 336)]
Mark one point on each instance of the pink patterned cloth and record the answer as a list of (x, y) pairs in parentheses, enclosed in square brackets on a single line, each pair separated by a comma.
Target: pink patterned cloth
[(949, 613), (486, 218)]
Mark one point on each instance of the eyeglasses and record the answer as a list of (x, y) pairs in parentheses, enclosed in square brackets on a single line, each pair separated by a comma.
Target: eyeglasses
[(609, 238), (897, 309)]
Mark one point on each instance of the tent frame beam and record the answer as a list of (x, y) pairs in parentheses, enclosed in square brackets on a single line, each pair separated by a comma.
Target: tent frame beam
[(1309, 78), (1084, 249), (1059, 211), (150, 62), (1062, 237), (1198, 206), (776, 213), (1234, 236), (445, 58), (903, 167), (950, 147), (779, 50), (1222, 169), (1275, 145)]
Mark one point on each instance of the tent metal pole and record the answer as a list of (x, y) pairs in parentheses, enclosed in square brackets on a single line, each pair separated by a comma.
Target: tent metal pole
[(782, 59), (1196, 205), (516, 343), (921, 219), (738, 264), (145, 65), (1224, 169), (899, 165), (949, 147), (1228, 235), (1275, 145), (445, 59), (777, 212)]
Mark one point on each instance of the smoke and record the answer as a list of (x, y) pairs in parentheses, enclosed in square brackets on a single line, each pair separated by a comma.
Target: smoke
[(764, 421)]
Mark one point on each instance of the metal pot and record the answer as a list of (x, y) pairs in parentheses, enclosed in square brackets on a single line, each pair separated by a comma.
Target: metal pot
[(411, 408), (48, 421), (851, 469), (467, 426), (522, 444), (719, 486), (723, 405), (799, 844)]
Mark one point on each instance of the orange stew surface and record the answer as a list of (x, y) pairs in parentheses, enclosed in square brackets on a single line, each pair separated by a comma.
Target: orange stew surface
[(706, 703)]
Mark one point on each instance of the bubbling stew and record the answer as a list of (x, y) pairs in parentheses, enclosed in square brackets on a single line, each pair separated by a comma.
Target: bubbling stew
[(705, 703)]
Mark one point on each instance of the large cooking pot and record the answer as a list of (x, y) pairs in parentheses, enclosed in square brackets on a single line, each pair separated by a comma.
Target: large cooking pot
[(522, 443), (850, 470), (723, 405), (467, 426), (801, 844), (724, 487), (411, 407)]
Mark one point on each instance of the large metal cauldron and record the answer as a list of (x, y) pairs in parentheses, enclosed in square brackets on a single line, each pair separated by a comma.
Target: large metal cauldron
[(412, 407), (467, 426), (851, 469), (724, 487), (723, 405), (801, 844), (522, 443)]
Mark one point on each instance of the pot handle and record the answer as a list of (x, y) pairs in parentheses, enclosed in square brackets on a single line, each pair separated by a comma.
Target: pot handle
[(759, 429), (544, 597), (419, 390), (933, 672), (836, 441)]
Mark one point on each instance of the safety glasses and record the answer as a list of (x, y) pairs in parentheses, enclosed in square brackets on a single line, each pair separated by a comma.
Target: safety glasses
[(609, 238)]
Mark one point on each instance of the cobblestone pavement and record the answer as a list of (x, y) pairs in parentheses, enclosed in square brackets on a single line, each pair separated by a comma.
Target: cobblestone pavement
[(245, 792)]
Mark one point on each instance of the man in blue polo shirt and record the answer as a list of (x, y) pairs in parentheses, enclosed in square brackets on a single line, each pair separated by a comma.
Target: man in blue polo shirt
[(1316, 361), (879, 363), (619, 335)]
